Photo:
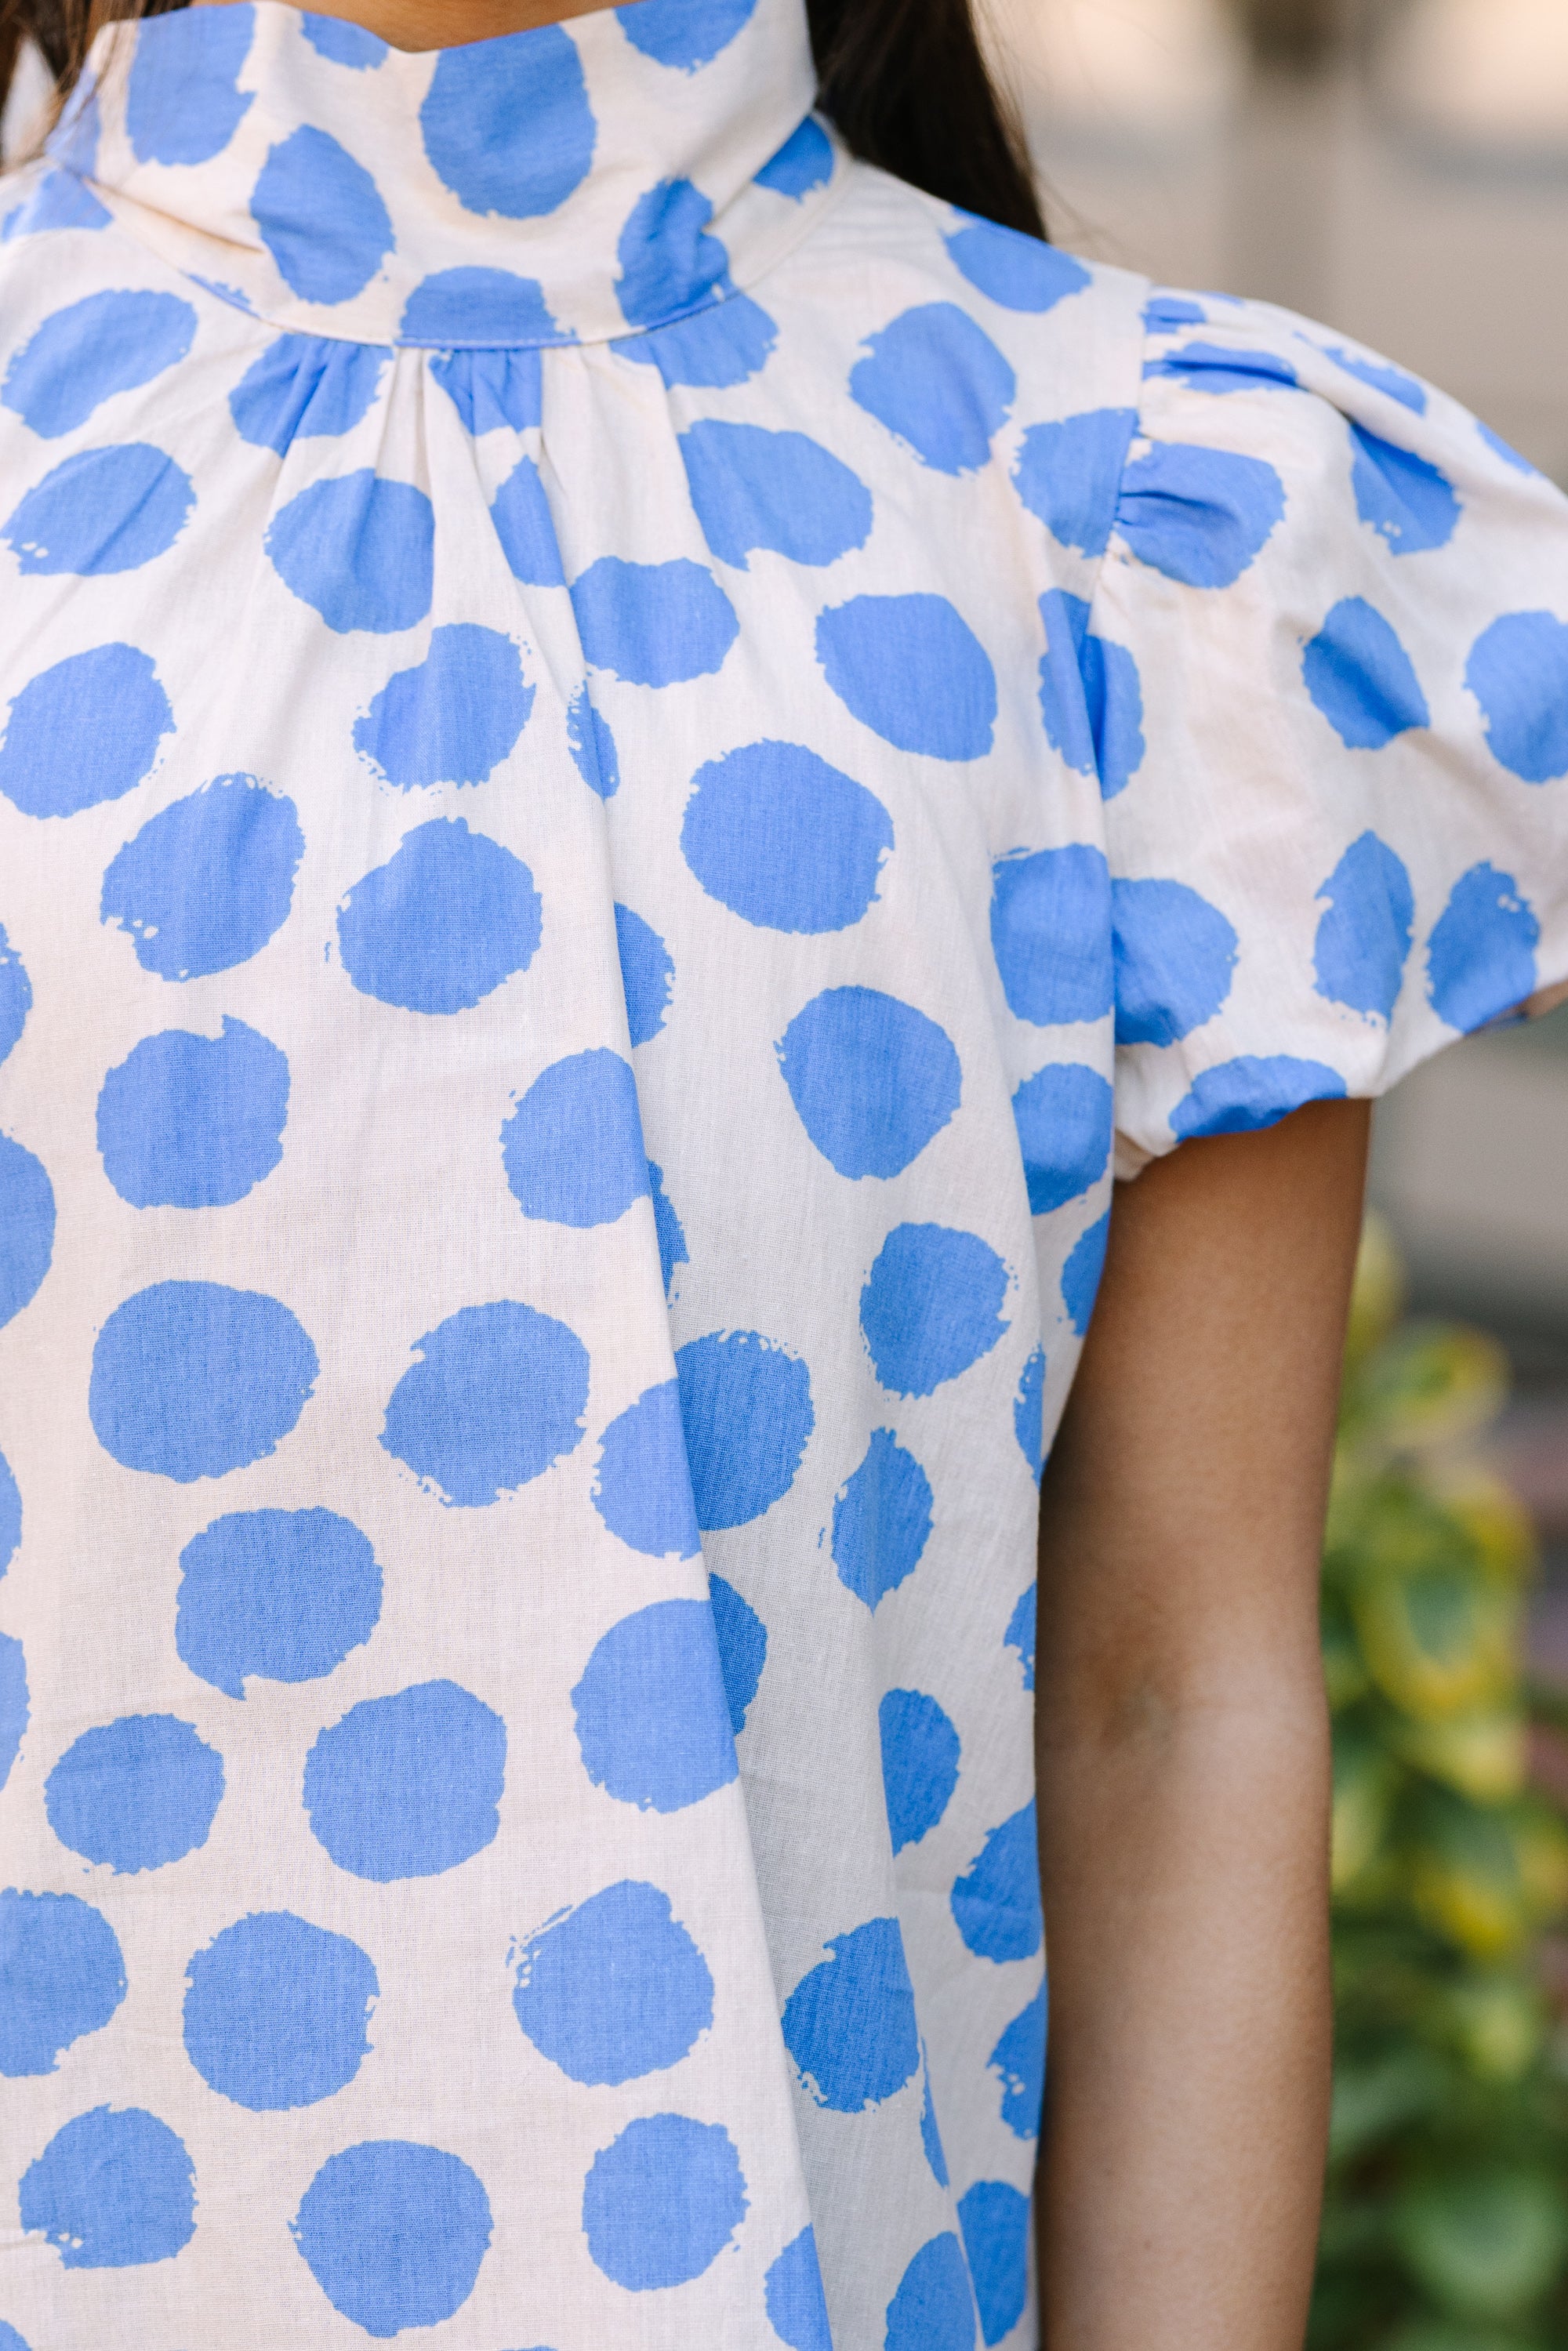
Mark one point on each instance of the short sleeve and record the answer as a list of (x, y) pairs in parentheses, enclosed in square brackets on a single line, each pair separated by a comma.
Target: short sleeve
[(1327, 661)]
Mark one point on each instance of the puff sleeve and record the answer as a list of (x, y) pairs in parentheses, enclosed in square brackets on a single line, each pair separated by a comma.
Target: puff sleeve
[(1328, 661)]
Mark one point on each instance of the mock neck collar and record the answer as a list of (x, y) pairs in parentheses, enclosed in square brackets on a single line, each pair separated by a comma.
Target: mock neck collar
[(581, 181)]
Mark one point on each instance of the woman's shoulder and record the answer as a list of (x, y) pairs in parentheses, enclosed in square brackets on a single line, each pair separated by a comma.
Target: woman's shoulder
[(887, 259)]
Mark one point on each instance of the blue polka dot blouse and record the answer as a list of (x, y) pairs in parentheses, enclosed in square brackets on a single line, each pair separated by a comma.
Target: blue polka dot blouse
[(635, 760)]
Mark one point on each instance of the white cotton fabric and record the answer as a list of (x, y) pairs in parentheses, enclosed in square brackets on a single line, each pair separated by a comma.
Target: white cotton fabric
[(610, 715)]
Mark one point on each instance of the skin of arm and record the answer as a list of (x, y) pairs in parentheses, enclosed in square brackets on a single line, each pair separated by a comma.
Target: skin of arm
[(1183, 1751)]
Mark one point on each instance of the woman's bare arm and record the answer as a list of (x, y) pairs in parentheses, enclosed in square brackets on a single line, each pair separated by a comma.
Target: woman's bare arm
[(1184, 1751)]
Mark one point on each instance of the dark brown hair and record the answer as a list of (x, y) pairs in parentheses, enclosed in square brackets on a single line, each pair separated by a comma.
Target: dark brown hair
[(905, 80)]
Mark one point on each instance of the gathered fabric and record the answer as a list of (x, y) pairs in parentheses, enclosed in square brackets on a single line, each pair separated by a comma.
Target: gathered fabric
[(635, 758)]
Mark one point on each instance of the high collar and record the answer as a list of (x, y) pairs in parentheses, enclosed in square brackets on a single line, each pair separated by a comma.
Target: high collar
[(581, 181)]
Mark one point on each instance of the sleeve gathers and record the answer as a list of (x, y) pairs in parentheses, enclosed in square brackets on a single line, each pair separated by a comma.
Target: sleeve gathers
[(1325, 682)]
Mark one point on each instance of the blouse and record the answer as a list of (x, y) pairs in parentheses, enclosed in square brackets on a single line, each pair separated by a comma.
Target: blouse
[(634, 758)]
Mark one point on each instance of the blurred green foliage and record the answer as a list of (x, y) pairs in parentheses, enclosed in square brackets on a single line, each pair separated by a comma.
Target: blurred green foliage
[(1446, 2226)]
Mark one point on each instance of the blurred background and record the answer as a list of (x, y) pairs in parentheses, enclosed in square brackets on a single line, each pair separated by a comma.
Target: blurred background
[(1399, 169)]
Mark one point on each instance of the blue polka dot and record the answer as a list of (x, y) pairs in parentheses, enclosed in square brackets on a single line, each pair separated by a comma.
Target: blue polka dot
[(792, 2291), (74, 139), (1199, 516), (358, 551), (305, 386), (919, 1763), (58, 201), (320, 217), (492, 391), (1175, 957), (344, 44), (1499, 448), (873, 1079), (14, 1711), (784, 840), (27, 1221), (1252, 1091), (85, 731), (931, 1306), (443, 923), (1081, 1274), (1069, 475), (182, 106), (190, 1121), (207, 882), (137, 1793), (804, 162), (1165, 314), (615, 1989), (1363, 939), (661, 2201), (191, 1379), (653, 1716), (592, 745), (669, 263), (16, 994), (1481, 958), (10, 1515), (101, 511), (932, 2309), (1063, 1114), (275, 2011), (478, 306), (392, 2232), (526, 529), (994, 2218), (1050, 934), (654, 624), (643, 1490), (453, 718), (684, 34), (1018, 272), (938, 383), (9, 2338), (496, 1397), (1091, 699), (996, 1903), (1029, 1413), (61, 1974), (930, 2135), (1020, 1632), (849, 2023), (882, 1520), (407, 1786), (1219, 368), (284, 1595), (778, 491), (507, 125), (1518, 672), (746, 1409), (1391, 380), (112, 2190), (1362, 678), (647, 972), (106, 343), (667, 1226), (572, 1148), (1018, 2058), (742, 1648), (715, 349), (1406, 501), (913, 671)]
